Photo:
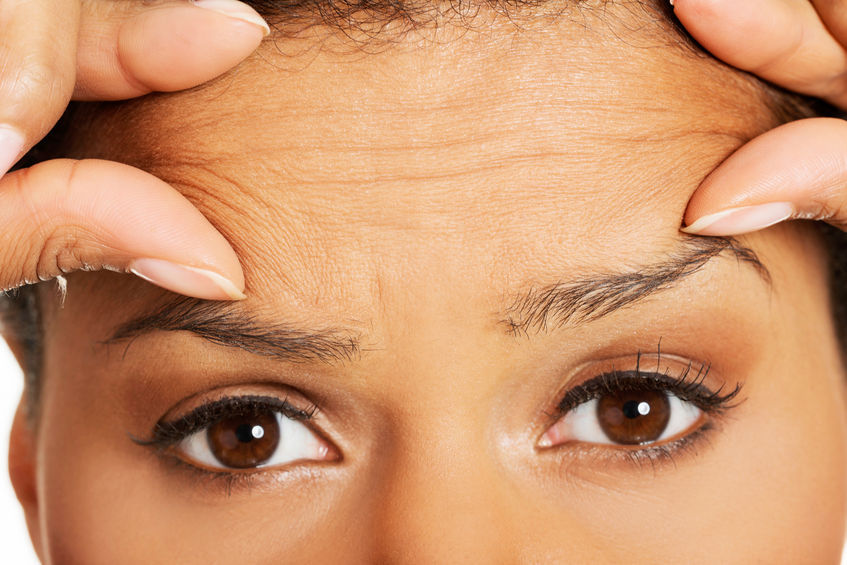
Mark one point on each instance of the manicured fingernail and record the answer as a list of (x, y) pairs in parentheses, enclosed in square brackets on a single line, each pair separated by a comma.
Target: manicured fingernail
[(191, 281), (11, 145), (236, 10), (741, 220)]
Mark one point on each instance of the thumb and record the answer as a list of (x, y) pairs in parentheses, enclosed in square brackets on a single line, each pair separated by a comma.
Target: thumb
[(795, 171), (130, 48), (64, 215)]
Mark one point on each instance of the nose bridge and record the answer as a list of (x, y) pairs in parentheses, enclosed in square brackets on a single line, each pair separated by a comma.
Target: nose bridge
[(438, 491), (442, 499)]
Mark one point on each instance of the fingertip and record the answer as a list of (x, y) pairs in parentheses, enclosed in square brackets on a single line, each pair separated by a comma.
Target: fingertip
[(742, 33), (743, 219), (179, 47), (12, 144), (186, 280), (237, 10), (68, 216)]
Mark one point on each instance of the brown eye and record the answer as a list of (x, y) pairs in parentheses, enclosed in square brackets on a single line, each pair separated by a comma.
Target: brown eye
[(634, 417), (245, 441), (245, 434)]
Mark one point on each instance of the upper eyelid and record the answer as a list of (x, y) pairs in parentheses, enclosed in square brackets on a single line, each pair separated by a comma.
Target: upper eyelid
[(166, 433), (686, 388)]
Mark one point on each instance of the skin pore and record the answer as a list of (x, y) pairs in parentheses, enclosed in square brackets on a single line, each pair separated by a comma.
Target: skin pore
[(406, 205)]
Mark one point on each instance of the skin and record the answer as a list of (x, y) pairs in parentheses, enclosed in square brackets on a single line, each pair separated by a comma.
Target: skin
[(409, 195), (61, 218)]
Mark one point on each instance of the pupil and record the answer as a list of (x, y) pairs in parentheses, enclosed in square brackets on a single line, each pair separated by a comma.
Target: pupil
[(631, 409), (244, 433)]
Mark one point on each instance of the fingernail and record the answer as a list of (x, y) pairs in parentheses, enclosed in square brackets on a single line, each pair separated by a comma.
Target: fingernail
[(236, 10), (741, 220), (191, 281), (11, 145)]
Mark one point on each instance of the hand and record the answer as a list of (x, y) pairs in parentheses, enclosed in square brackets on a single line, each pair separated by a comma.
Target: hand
[(798, 170), (63, 215)]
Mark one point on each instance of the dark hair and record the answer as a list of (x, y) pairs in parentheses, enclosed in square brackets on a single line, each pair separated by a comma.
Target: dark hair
[(367, 21), (835, 241)]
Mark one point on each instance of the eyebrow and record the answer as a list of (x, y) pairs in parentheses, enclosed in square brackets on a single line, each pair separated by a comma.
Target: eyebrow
[(585, 300), (229, 324), (540, 309)]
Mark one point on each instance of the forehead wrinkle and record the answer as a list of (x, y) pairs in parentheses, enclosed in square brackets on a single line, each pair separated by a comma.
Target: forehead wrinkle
[(299, 242), (347, 160), (306, 149), (268, 189), (403, 89)]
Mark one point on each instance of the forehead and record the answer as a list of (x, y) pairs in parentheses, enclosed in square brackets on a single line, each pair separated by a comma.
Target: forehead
[(505, 155)]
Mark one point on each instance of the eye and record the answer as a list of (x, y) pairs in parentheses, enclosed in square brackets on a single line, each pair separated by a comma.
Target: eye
[(264, 438), (633, 408), (241, 433), (625, 418)]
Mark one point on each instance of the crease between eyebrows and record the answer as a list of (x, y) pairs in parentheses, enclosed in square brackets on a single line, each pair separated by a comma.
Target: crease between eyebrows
[(588, 299), (230, 325)]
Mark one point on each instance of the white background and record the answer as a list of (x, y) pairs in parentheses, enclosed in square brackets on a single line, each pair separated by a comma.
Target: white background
[(14, 540)]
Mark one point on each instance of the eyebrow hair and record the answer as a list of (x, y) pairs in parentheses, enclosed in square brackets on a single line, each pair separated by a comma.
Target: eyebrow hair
[(539, 309), (585, 300), (230, 325)]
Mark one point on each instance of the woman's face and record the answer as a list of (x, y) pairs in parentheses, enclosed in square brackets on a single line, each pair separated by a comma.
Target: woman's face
[(473, 334)]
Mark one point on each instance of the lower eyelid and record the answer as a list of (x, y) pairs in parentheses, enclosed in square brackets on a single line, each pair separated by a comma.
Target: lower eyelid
[(653, 457)]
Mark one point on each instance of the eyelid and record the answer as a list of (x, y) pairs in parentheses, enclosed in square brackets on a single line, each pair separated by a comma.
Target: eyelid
[(687, 386), (170, 432), (660, 364)]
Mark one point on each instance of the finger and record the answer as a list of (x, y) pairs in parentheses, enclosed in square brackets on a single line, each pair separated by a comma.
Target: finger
[(37, 67), (833, 13), (63, 215), (127, 49), (783, 41), (798, 170)]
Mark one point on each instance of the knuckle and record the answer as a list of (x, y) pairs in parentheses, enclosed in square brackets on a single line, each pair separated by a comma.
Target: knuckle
[(64, 249), (35, 83), (53, 251), (834, 88), (49, 241)]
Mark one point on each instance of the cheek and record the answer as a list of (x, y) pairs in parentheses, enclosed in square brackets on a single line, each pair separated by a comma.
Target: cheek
[(769, 487), (783, 480), (104, 499)]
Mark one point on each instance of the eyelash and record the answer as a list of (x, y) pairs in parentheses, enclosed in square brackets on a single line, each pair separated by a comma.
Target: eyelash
[(166, 435), (687, 386)]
